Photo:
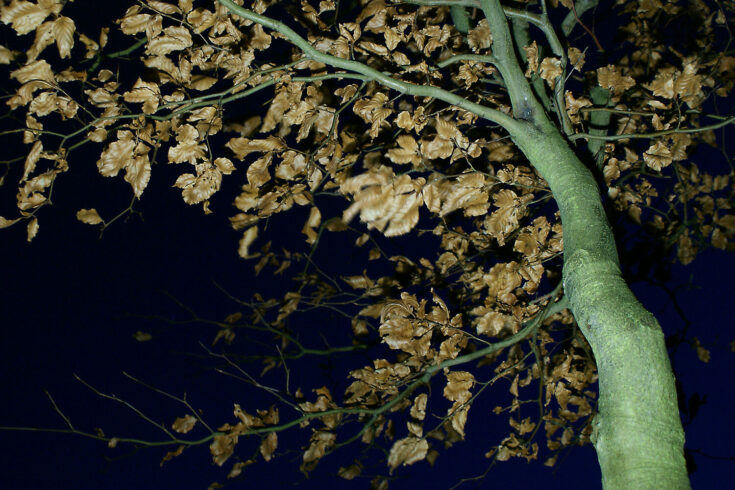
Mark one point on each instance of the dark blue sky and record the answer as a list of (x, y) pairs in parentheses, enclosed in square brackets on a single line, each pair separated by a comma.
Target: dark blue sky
[(66, 303), (66, 313)]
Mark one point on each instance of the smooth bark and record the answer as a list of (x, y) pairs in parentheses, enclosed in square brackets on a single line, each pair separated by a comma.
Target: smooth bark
[(637, 432)]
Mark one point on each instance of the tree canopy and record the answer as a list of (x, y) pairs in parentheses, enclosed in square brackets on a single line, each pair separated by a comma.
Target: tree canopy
[(495, 142)]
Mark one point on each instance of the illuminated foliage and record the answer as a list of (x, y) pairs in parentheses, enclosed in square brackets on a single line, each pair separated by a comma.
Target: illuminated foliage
[(421, 119)]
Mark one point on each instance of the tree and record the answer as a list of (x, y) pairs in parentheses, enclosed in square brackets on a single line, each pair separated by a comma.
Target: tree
[(483, 114)]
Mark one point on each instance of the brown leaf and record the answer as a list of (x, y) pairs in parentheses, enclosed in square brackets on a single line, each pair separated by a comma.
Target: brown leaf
[(320, 442), (32, 229), (172, 454), (63, 31), (257, 172), (610, 77), (188, 149), (407, 152), (147, 93), (268, 446), (532, 57), (244, 146), (349, 473), (658, 156), (702, 352), (237, 469), (247, 239), (24, 16), (259, 39), (418, 409), (184, 424), (134, 23), (174, 38), (33, 157), (200, 187), (576, 58), (138, 173), (458, 386), (222, 448), (407, 451), (117, 154), (550, 70), (480, 38), (688, 85), (4, 222), (387, 203), (314, 220)]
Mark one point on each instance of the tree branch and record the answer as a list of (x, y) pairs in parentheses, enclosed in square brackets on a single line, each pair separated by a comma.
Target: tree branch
[(654, 134), (493, 115), (521, 95)]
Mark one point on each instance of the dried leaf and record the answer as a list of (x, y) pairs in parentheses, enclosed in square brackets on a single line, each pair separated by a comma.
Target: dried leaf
[(702, 352), (658, 156), (351, 472), (407, 451), (551, 70), (532, 57), (458, 386), (4, 223), (174, 38), (33, 156), (247, 239), (144, 92), (314, 220), (320, 442), (610, 77), (117, 154), (222, 448), (24, 16), (63, 31), (138, 174), (418, 409), (184, 424), (32, 229), (141, 336), (268, 446), (408, 151), (188, 149), (135, 23), (172, 454)]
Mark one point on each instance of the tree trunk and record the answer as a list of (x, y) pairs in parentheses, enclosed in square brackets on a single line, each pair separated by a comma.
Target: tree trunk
[(637, 432)]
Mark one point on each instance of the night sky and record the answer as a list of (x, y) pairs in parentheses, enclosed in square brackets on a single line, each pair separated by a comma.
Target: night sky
[(71, 302), (69, 312)]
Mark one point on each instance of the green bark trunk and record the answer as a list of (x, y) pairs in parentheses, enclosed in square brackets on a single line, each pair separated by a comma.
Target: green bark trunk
[(638, 435), (637, 432)]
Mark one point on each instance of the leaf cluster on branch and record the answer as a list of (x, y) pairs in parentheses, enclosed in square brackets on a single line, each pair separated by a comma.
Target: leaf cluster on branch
[(403, 110)]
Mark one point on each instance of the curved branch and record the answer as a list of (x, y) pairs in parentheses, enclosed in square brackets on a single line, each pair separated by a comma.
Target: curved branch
[(543, 23), (512, 13), (467, 57), (521, 95), (442, 3), (654, 134), (509, 123)]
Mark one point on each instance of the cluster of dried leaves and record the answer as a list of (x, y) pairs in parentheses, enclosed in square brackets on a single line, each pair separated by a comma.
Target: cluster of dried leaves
[(400, 162)]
